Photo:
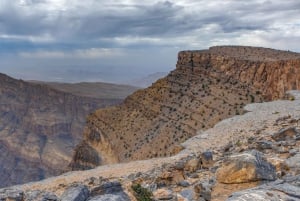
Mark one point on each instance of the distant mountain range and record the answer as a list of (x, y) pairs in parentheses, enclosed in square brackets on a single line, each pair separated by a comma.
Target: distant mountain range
[(93, 89), (146, 81)]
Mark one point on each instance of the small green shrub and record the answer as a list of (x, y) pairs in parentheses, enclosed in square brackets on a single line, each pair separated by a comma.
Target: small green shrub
[(252, 98), (140, 193)]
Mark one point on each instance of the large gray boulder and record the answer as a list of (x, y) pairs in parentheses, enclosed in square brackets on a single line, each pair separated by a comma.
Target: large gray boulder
[(11, 195), (75, 193), (110, 197), (246, 167), (109, 191), (275, 191)]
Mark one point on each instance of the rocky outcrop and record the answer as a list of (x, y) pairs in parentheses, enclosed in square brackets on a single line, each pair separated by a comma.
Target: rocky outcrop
[(183, 176), (245, 167), (286, 189), (206, 87), (39, 128)]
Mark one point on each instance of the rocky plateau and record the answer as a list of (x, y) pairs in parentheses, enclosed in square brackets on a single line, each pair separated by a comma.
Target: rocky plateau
[(206, 87)]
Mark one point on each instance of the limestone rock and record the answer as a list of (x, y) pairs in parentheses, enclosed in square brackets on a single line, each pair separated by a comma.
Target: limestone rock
[(108, 191), (171, 177), (184, 183), (204, 190), (275, 191), (188, 194), (37, 195), (110, 197), (245, 167), (107, 188), (11, 195), (192, 165), (75, 193), (163, 194), (294, 162)]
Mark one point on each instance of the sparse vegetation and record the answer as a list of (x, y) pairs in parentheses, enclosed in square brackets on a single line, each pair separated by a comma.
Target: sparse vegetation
[(140, 193)]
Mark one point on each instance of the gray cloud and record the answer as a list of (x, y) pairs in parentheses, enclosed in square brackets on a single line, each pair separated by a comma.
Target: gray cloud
[(73, 29), (97, 20)]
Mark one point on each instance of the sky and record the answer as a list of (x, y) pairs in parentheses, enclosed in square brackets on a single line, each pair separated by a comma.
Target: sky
[(115, 41)]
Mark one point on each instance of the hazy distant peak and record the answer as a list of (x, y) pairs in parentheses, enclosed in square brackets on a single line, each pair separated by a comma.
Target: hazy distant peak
[(146, 81)]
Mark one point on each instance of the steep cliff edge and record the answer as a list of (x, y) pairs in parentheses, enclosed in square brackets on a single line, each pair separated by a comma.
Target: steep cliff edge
[(206, 87), (39, 128)]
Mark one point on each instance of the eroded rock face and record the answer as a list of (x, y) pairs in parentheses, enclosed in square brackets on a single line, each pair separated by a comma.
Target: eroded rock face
[(206, 87), (39, 128)]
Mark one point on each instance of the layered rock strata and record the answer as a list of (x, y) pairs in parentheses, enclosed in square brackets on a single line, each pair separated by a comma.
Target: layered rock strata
[(206, 87)]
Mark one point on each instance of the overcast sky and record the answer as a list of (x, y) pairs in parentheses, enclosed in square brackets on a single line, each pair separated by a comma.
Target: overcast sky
[(110, 40)]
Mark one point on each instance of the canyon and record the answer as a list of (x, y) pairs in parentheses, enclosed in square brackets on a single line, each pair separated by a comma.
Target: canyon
[(39, 128)]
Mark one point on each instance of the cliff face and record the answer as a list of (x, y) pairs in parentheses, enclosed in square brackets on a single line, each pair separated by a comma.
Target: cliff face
[(206, 87), (39, 128)]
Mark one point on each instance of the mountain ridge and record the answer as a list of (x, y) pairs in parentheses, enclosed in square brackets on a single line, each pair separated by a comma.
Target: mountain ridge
[(99, 90), (206, 87)]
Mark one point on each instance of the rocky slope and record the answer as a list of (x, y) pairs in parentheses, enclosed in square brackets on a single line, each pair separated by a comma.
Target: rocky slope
[(39, 128), (206, 87), (248, 157)]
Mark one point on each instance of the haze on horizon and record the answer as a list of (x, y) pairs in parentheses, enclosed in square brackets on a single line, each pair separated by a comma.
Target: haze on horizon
[(115, 41)]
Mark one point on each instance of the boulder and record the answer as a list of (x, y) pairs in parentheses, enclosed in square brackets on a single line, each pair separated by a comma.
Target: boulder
[(294, 163), (188, 194), (107, 188), (204, 190), (275, 191), (109, 191), (11, 195), (171, 177), (206, 159), (37, 195), (245, 167), (110, 197), (163, 194), (50, 197), (75, 193), (184, 183), (192, 165)]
